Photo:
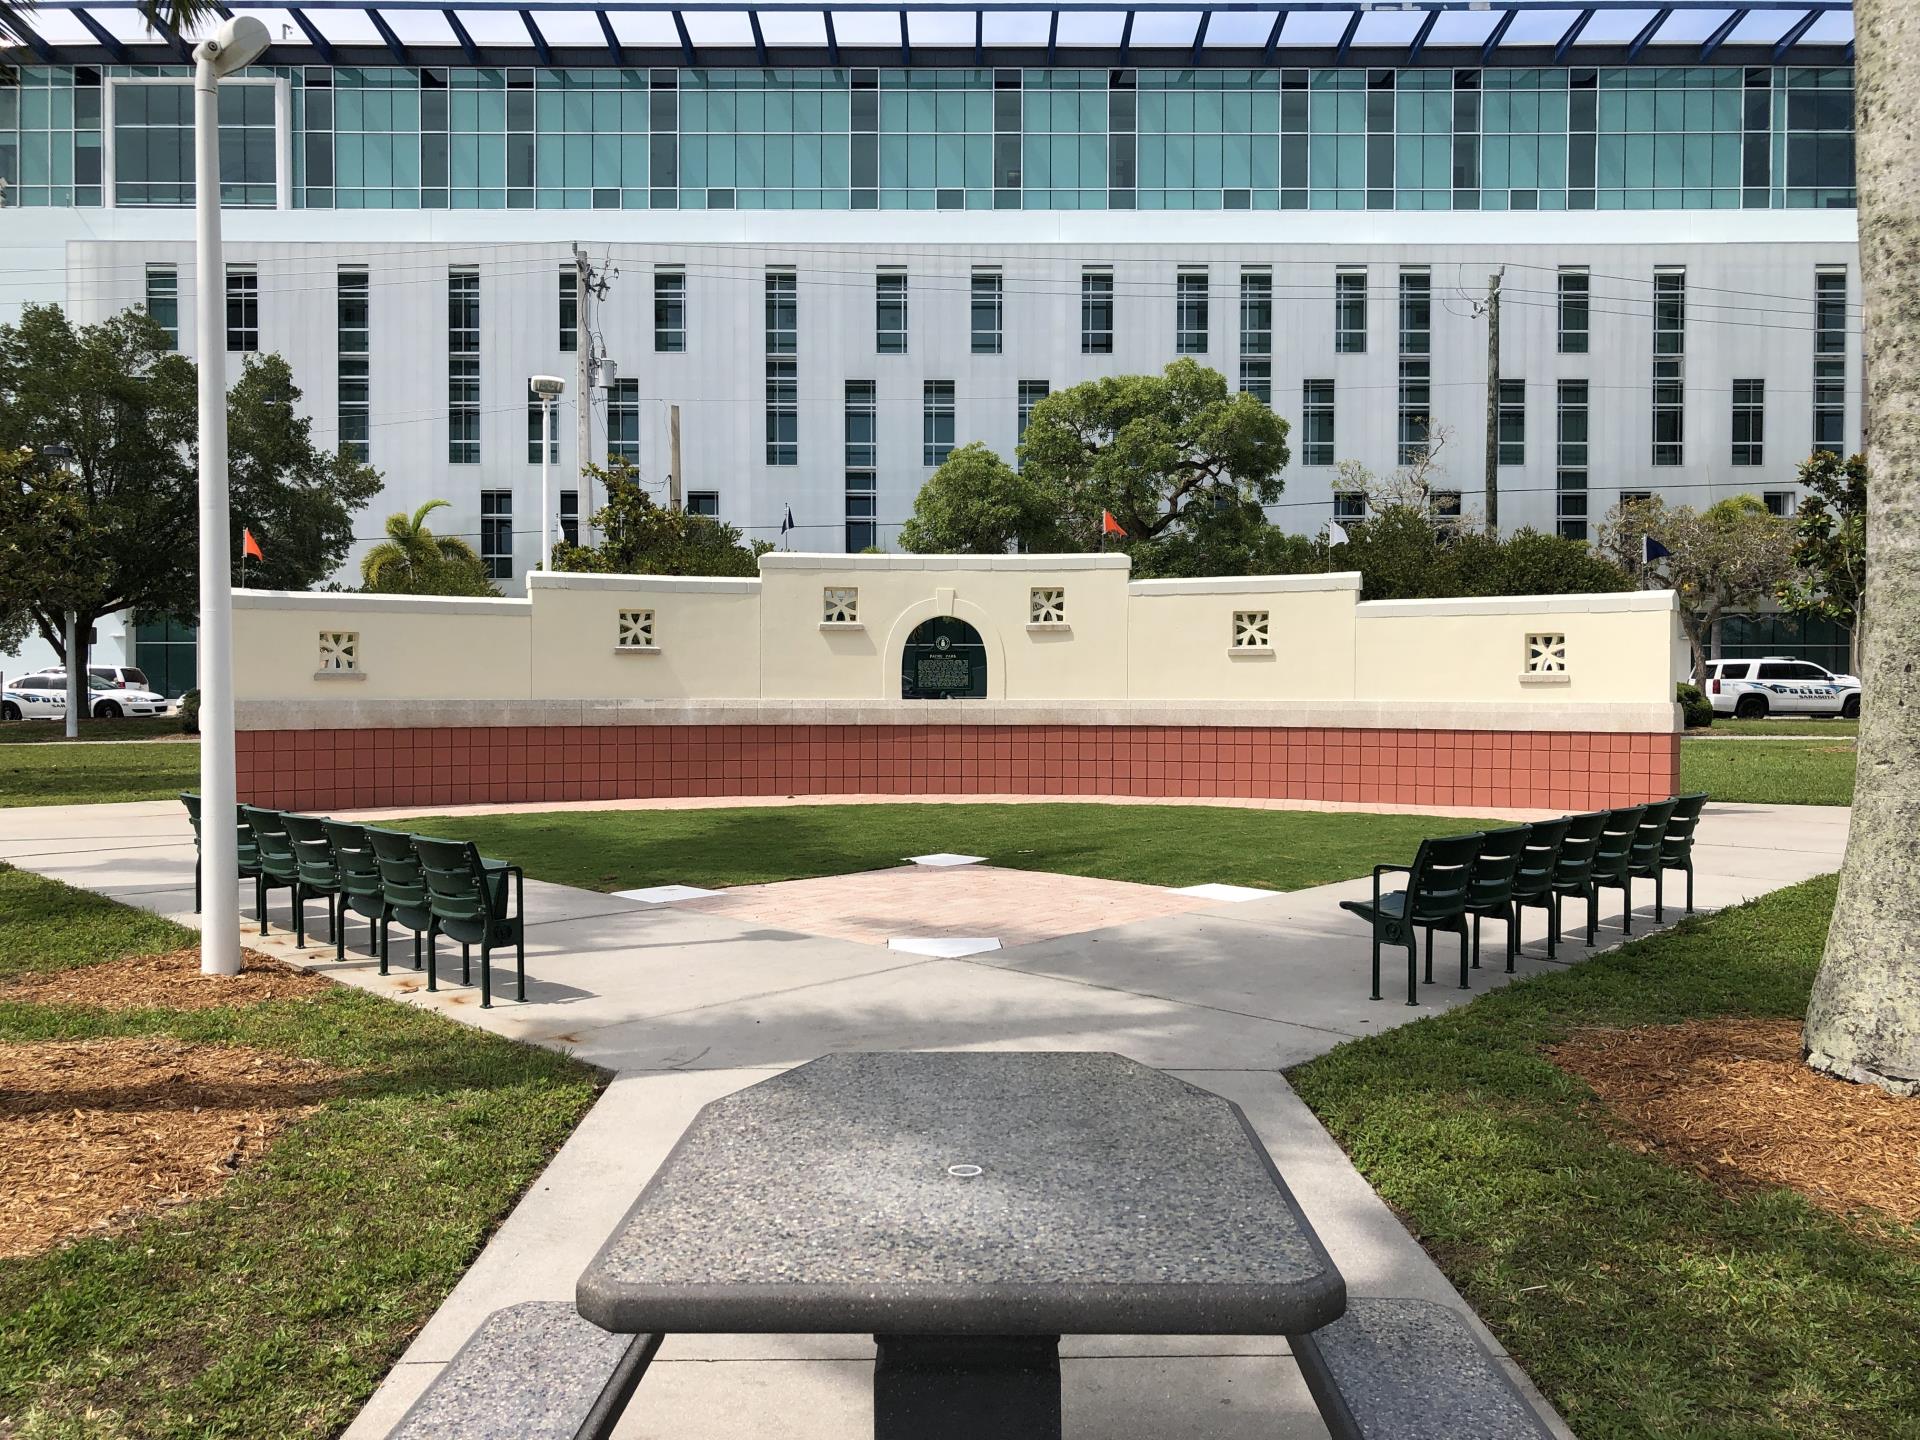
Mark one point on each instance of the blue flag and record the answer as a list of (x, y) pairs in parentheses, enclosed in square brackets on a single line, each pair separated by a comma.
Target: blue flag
[(1652, 550)]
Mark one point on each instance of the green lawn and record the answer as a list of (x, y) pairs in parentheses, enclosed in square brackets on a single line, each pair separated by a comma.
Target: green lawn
[(1150, 844), (1644, 1302), (134, 727), (1771, 772), (94, 774), (276, 1307), (1832, 729)]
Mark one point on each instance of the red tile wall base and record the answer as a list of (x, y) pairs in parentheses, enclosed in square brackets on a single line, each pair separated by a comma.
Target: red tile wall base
[(350, 769)]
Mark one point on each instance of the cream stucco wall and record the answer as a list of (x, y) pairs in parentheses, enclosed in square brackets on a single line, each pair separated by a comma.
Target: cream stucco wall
[(1124, 649)]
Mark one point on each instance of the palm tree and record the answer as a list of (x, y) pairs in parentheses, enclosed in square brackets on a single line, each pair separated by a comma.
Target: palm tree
[(1863, 1019), (412, 560)]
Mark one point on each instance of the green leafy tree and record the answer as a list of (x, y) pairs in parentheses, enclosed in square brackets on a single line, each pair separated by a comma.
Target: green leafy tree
[(110, 525), (1830, 545), (1154, 450), (1233, 538), (298, 500), (977, 504), (412, 560), (642, 538)]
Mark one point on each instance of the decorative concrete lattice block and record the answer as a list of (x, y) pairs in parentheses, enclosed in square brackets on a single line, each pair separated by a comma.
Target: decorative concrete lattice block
[(1546, 654), (1049, 606), (339, 651), (1252, 630), (840, 605), (636, 630)]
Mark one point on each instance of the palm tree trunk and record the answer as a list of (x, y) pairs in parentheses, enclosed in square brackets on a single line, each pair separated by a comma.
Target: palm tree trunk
[(1863, 1020)]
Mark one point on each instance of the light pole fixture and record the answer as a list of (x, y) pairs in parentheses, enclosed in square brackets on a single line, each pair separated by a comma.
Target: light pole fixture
[(547, 389), (235, 45)]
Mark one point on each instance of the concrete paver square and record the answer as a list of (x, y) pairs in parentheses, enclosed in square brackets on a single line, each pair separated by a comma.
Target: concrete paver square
[(666, 894), (946, 947), (1235, 893), (946, 858)]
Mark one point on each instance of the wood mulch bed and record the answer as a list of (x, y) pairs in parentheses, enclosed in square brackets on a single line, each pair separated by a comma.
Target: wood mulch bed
[(165, 982), (1730, 1100), (97, 1134)]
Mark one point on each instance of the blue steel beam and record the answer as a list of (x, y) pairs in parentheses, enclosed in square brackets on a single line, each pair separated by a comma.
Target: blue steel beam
[(759, 40), (173, 38), (614, 47), (906, 47), (1200, 35), (1795, 33), (314, 37), (390, 40), (1499, 33), (686, 40), (1273, 37), (540, 46), (105, 36), (29, 37), (1719, 37), (1419, 39), (1126, 37), (979, 37), (833, 40), (472, 51), (1346, 37), (1053, 37), (1645, 37), (1573, 34)]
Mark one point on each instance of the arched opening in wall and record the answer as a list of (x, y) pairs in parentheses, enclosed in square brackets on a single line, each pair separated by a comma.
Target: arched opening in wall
[(944, 659)]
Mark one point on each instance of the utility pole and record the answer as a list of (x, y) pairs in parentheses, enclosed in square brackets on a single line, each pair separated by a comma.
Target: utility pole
[(1493, 402), (590, 285), (674, 483)]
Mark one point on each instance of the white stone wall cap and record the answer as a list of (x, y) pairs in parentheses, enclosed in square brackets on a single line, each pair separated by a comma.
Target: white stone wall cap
[(684, 584), (1249, 584), (350, 603), (1038, 565), (1605, 604)]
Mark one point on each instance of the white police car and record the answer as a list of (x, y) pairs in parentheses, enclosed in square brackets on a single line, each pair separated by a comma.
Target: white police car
[(1778, 685), (44, 697)]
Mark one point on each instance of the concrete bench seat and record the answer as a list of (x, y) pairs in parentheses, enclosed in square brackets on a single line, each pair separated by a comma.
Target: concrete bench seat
[(532, 1372), (1411, 1370)]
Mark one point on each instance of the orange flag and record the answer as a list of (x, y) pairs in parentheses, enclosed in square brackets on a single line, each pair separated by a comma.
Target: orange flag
[(250, 546), (1109, 525)]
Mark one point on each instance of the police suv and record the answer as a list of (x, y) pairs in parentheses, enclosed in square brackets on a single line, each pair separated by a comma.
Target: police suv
[(1778, 685)]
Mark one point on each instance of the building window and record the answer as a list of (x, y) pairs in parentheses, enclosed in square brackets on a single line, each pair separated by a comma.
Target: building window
[(1032, 392), (1749, 421), (669, 312), (1513, 422), (153, 144), (1350, 312), (987, 312), (1784, 503), (1190, 313), (936, 422), (463, 367), (1575, 291), (704, 502), (1256, 334), (163, 301), (1669, 366), (889, 312), (353, 330), (623, 423), (339, 652), (840, 605), (537, 431), (496, 533), (783, 313), (570, 516), (1546, 655), (862, 466), (569, 311), (1096, 312), (1252, 630), (1349, 505), (1256, 379), (1047, 605), (243, 308), (1316, 422), (635, 631), (1570, 458), (1416, 369), (1830, 361), (783, 412), (1635, 497), (1445, 507)]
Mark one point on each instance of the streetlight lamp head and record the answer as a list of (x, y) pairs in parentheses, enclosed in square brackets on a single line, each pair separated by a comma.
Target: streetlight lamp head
[(547, 387), (235, 45)]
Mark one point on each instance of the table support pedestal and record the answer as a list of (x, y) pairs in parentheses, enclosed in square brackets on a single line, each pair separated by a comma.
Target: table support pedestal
[(959, 1387)]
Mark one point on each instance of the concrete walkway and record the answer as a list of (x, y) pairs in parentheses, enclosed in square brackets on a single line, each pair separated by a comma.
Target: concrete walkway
[(686, 1004)]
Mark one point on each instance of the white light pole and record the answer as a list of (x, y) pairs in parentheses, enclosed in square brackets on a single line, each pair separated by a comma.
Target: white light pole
[(548, 389), (235, 45)]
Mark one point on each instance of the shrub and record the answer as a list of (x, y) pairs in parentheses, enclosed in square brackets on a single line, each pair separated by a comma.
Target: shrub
[(1695, 706), (190, 712)]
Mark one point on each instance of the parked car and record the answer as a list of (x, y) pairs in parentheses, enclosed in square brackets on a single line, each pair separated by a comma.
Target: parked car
[(1778, 685), (45, 695), (121, 677)]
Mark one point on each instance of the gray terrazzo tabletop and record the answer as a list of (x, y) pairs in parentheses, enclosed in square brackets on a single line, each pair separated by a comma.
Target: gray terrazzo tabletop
[(1110, 1198)]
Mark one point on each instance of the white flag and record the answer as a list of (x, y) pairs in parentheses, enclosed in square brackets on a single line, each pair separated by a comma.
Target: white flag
[(1336, 533)]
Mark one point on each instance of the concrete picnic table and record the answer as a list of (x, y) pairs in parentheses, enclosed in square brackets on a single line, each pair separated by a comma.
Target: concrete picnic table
[(966, 1209)]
